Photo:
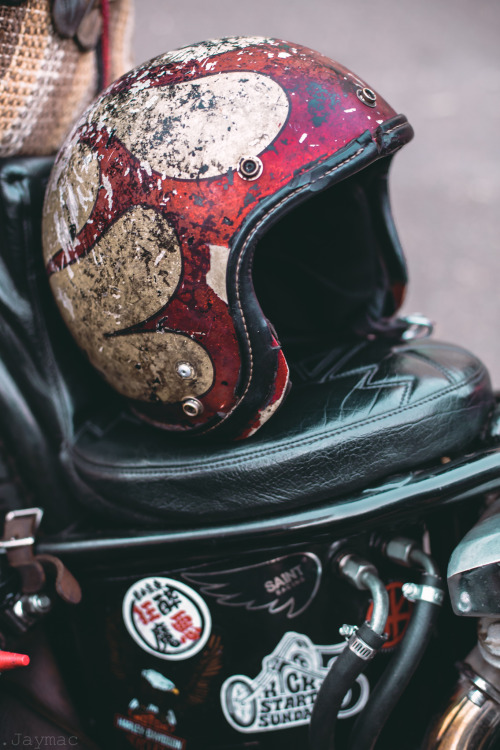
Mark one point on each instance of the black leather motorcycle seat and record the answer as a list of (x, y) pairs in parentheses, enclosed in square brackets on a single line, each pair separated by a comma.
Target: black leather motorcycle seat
[(388, 408)]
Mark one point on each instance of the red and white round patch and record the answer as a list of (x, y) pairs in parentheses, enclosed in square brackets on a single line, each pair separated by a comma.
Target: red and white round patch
[(166, 618)]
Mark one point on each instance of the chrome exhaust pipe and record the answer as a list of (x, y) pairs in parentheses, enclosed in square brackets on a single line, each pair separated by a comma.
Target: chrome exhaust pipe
[(471, 720)]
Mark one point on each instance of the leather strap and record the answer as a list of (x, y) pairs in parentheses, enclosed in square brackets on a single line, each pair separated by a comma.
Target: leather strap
[(18, 541)]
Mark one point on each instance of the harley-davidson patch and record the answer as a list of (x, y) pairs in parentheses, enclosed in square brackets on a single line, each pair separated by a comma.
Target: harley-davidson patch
[(166, 618), (285, 584), (150, 722), (145, 732), (283, 694)]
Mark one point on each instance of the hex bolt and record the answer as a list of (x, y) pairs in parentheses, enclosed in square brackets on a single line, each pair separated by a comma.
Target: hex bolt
[(346, 631), (38, 604), (31, 606), (409, 589)]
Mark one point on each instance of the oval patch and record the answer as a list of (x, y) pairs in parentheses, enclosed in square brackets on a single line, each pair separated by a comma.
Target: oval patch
[(166, 618)]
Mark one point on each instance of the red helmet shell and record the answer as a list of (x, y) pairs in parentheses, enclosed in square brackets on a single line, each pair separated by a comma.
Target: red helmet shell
[(158, 197)]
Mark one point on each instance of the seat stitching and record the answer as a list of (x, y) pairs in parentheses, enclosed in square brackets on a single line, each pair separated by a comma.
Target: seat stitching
[(265, 450)]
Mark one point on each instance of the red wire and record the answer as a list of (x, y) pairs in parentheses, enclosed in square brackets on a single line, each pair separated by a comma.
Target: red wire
[(105, 52)]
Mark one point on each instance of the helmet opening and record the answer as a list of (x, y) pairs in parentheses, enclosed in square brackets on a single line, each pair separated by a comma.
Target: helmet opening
[(320, 273)]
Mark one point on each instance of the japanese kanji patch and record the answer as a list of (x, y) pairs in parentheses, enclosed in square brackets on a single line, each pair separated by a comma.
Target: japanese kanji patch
[(166, 618)]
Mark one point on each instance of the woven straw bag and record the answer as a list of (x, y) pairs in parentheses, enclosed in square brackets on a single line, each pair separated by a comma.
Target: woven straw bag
[(46, 81)]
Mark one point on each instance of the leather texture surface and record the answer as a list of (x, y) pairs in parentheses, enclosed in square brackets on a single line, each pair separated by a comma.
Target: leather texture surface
[(381, 409), (390, 408)]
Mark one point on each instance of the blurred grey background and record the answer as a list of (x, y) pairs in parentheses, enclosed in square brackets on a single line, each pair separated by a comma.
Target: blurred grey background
[(438, 62)]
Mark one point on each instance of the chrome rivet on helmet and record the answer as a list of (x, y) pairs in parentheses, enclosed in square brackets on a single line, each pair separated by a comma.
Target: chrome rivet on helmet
[(185, 370), (250, 167), (192, 407), (367, 96)]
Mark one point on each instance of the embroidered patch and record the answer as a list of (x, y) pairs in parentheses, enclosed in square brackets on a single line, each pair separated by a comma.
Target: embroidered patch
[(166, 618), (282, 695)]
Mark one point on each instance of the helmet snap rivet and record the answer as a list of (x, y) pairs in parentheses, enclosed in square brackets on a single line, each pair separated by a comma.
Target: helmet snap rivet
[(367, 96), (185, 370), (192, 407), (250, 167)]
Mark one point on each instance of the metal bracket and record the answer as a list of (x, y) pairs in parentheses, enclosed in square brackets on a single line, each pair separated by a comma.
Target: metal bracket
[(424, 593)]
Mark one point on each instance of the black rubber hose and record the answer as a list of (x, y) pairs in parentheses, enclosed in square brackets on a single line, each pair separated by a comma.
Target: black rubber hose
[(398, 673), (345, 669)]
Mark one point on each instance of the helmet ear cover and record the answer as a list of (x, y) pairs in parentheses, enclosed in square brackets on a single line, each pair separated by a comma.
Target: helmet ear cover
[(173, 180)]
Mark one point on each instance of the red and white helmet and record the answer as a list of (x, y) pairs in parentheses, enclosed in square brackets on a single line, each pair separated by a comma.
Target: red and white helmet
[(170, 183)]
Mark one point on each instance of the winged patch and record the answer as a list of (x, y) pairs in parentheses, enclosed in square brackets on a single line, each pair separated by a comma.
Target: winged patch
[(284, 584)]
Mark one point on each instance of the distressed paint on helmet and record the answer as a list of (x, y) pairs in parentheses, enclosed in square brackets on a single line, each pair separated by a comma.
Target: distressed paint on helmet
[(139, 269)]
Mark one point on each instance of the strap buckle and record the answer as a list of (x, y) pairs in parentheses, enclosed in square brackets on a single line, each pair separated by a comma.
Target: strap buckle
[(20, 530), (17, 522)]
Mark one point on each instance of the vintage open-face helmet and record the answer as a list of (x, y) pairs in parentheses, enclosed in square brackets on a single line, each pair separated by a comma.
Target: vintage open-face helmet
[(218, 213)]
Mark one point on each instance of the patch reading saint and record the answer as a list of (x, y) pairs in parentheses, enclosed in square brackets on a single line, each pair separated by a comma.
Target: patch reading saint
[(285, 585), (166, 618), (282, 695)]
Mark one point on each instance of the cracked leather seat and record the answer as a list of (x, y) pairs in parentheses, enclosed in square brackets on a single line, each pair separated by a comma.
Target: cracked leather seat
[(382, 408)]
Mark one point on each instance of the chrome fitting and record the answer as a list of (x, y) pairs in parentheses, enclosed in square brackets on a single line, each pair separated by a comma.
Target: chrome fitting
[(355, 569), (364, 576), (399, 550)]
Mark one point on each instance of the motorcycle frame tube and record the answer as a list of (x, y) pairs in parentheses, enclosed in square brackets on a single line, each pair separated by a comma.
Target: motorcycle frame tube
[(404, 497)]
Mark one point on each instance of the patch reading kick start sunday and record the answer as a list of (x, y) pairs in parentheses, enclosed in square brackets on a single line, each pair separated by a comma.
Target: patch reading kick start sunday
[(282, 695), (166, 618)]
